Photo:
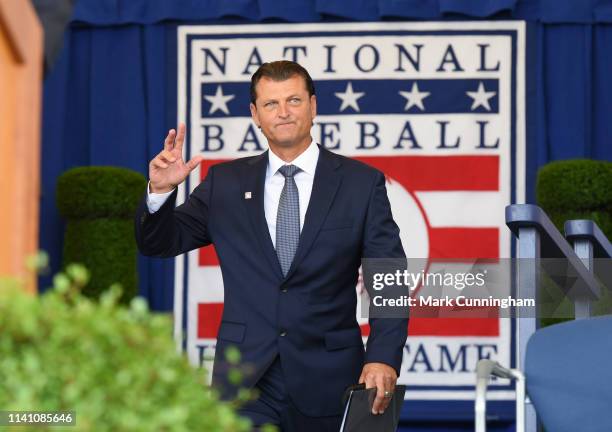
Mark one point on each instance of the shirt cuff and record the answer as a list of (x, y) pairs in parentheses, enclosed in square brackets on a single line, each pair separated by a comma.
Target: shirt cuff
[(156, 200)]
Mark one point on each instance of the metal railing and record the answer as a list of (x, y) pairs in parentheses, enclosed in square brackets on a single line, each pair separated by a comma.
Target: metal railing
[(538, 239)]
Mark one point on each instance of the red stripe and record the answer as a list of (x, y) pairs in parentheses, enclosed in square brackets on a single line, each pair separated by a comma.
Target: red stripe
[(440, 173), (209, 319), (459, 243), (207, 163), (207, 256), (448, 327), (464, 242), (365, 329), (453, 327)]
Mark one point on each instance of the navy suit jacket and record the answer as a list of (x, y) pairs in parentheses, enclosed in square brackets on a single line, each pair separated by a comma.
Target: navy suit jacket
[(308, 317)]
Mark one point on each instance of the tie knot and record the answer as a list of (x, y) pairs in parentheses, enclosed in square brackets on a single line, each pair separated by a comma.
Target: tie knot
[(288, 170)]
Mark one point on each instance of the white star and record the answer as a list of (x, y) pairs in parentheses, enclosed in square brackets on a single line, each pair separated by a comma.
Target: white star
[(349, 98), (219, 101), (481, 97), (414, 97)]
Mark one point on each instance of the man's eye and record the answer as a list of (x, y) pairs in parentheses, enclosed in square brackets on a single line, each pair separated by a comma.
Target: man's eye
[(295, 100)]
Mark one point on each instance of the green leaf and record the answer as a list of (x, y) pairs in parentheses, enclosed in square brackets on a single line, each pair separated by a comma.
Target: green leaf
[(78, 273), (61, 283), (116, 367), (234, 376), (269, 428), (139, 306), (38, 262), (232, 355)]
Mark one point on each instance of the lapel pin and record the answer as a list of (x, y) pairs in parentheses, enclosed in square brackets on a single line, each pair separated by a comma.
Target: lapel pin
[(247, 195)]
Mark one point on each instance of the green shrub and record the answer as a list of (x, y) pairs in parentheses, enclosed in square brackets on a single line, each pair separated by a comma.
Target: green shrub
[(99, 192), (116, 367), (603, 219), (99, 204), (576, 189), (578, 185)]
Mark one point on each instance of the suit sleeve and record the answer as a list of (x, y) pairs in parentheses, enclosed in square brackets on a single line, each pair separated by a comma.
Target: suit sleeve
[(381, 240), (171, 231)]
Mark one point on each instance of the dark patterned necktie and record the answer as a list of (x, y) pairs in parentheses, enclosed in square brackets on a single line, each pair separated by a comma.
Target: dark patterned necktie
[(288, 219)]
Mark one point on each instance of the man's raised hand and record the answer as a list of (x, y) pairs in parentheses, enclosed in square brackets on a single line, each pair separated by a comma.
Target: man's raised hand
[(168, 169)]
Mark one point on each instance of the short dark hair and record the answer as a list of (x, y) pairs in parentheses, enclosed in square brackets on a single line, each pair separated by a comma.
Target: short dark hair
[(280, 70)]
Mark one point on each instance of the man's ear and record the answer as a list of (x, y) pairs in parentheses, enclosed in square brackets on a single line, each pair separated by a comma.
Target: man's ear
[(254, 115), (313, 106)]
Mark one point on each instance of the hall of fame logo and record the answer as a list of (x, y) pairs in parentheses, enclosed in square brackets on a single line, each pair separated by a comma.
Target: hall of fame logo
[(439, 107)]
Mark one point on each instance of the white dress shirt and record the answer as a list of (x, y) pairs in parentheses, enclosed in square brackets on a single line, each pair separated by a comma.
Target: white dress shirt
[(306, 162)]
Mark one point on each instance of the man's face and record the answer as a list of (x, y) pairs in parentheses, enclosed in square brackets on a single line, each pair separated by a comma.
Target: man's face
[(284, 111)]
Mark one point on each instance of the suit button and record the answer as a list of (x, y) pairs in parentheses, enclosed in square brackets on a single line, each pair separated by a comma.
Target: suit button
[(283, 290), (283, 333)]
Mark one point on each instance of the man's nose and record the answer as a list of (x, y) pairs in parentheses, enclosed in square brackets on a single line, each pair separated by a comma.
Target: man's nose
[(283, 110)]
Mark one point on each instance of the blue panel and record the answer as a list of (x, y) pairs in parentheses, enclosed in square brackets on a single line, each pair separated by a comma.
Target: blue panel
[(567, 11), (601, 145), (362, 10), (289, 10), (567, 89), (477, 8), (109, 12), (422, 9)]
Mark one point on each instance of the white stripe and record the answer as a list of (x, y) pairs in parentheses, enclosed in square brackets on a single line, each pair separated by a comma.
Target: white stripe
[(205, 282), (463, 209), (179, 292), (459, 394)]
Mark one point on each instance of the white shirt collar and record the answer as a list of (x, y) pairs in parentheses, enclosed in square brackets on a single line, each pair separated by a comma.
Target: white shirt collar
[(306, 161)]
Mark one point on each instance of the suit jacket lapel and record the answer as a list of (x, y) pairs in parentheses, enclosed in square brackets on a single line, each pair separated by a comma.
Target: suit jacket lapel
[(253, 182), (324, 188)]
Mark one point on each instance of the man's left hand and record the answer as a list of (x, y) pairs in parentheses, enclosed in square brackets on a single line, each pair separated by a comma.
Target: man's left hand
[(383, 377)]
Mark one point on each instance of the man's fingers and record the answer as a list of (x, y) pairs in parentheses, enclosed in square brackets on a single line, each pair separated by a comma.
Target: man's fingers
[(158, 163), (389, 387), (166, 156), (194, 162), (164, 159), (383, 377), (390, 383), (169, 141), (379, 402), (370, 382), (180, 137)]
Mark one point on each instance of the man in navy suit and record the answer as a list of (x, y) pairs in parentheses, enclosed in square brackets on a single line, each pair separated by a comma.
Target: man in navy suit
[(290, 227)]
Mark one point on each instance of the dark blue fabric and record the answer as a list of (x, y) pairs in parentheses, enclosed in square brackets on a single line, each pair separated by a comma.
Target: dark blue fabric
[(476, 8), (113, 12), (274, 406), (108, 101)]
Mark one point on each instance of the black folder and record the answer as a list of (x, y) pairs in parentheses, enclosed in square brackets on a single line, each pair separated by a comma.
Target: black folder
[(358, 415)]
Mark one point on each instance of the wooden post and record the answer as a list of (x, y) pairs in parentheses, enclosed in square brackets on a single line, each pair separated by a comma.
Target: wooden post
[(21, 63)]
